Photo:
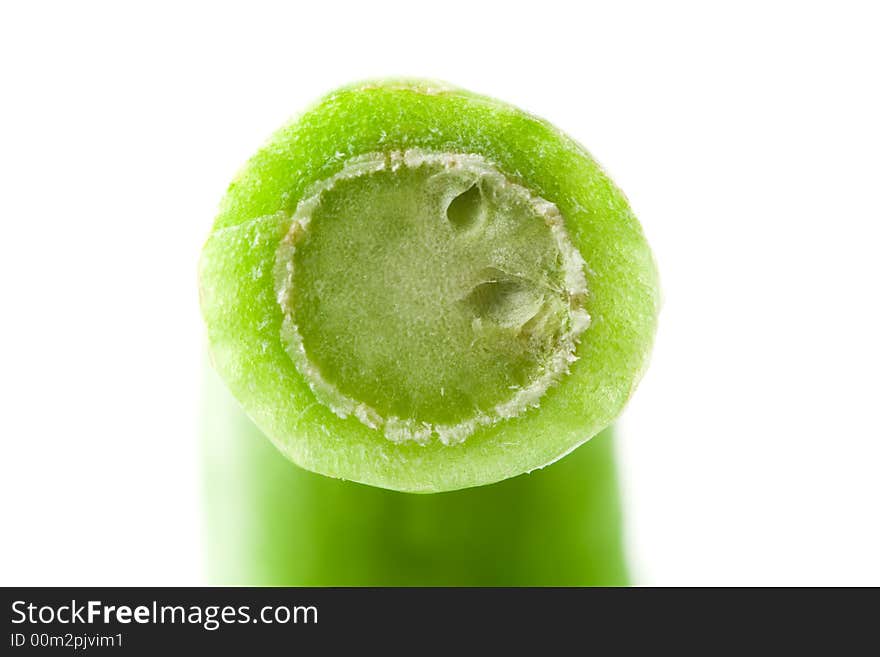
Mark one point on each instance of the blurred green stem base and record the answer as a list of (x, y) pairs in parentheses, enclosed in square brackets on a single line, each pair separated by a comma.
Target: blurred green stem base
[(271, 523)]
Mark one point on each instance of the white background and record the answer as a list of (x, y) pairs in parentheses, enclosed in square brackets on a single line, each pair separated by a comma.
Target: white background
[(746, 138)]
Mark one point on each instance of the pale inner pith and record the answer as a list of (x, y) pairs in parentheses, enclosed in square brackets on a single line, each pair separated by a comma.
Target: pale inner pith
[(428, 295)]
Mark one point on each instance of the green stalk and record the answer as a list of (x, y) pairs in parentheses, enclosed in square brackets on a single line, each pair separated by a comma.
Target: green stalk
[(422, 290), (272, 523)]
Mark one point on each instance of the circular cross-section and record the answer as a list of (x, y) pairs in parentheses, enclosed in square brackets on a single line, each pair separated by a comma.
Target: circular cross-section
[(427, 294)]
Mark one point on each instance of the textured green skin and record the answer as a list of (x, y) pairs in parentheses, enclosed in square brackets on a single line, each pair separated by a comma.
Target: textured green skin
[(244, 319), (273, 524)]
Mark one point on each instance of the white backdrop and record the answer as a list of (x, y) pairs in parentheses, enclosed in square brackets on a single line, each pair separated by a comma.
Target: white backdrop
[(746, 138)]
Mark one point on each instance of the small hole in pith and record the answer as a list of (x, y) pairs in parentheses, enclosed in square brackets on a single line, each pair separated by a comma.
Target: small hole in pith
[(466, 208), (504, 300)]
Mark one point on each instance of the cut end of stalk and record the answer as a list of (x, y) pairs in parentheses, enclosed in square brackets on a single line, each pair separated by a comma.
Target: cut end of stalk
[(419, 288)]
